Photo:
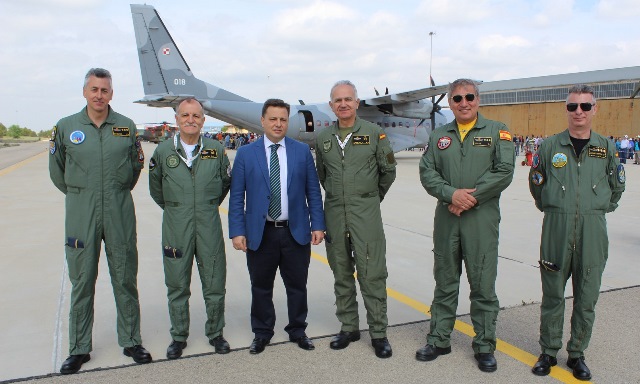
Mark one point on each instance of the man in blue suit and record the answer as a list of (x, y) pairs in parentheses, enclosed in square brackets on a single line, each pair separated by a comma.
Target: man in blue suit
[(275, 214)]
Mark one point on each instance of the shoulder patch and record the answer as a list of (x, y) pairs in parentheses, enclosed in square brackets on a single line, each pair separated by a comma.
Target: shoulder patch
[(537, 178), (53, 133), (621, 174), (535, 161), (152, 164), (52, 147), (505, 135)]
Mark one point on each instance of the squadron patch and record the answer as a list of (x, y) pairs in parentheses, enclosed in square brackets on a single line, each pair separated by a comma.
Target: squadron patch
[(482, 141), (77, 137), (173, 161), (152, 164), (535, 161), (52, 147), (505, 135), (444, 142), (391, 159), (599, 152), (140, 151), (53, 133), (121, 131), (209, 154), (621, 175), (537, 178), (361, 140), (559, 160), (326, 146)]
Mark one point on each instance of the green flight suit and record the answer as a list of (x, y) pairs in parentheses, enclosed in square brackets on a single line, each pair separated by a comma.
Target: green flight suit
[(575, 193), (485, 161), (96, 168), (355, 183), (191, 226)]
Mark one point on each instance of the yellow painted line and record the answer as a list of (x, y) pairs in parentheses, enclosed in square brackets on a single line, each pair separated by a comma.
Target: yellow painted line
[(467, 329), (524, 357), (20, 164)]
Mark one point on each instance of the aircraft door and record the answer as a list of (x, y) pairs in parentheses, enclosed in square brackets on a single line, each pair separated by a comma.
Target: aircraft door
[(306, 127)]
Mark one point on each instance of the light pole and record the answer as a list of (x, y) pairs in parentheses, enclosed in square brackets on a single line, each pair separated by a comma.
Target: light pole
[(431, 55)]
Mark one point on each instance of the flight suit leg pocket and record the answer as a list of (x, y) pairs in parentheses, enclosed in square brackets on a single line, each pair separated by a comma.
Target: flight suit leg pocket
[(77, 264), (175, 275)]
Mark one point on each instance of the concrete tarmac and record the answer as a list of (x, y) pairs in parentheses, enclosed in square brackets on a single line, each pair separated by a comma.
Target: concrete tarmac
[(34, 296)]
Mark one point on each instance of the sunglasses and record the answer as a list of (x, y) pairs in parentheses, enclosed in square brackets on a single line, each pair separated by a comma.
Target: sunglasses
[(469, 97), (572, 107)]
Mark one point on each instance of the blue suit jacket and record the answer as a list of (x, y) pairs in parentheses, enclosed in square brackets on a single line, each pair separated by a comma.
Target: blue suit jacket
[(250, 190)]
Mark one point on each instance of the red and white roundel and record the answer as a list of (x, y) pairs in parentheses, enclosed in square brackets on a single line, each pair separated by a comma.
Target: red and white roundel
[(444, 142), (166, 51)]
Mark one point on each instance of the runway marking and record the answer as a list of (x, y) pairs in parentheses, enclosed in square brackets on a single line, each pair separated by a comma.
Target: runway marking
[(15, 166), (525, 357), (467, 329)]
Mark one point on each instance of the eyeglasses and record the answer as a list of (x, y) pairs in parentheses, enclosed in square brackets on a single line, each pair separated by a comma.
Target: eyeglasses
[(572, 107), (469, 97)]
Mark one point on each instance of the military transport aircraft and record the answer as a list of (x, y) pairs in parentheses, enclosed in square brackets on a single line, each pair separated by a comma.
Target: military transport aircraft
[(406, 117)]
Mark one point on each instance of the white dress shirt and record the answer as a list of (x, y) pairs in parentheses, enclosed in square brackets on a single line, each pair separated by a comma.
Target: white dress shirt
[(282, 158)]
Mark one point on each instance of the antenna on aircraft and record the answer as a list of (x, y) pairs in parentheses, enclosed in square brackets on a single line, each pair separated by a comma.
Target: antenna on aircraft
[(377, 93)]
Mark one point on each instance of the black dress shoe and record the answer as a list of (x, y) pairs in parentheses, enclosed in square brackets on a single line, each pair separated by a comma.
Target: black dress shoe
[(257, 345), (544, 364), (220, 344), (382, 347), (430, 352), (175, 349), (74, 363), (138, 353), (342, 339), (303, 342), (580, 369), (486, 362)]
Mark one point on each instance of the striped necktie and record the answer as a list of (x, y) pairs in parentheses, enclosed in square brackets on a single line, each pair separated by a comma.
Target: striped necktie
[(275, 210)]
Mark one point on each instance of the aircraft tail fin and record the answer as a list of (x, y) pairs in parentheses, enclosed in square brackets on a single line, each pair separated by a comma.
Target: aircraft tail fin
[(166, 76)]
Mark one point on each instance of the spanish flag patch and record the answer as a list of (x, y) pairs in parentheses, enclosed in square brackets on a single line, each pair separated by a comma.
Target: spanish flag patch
[(382, 136), (505, 135)]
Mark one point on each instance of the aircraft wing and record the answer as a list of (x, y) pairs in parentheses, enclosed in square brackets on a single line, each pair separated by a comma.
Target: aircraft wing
[(400, 142), (405, 97)]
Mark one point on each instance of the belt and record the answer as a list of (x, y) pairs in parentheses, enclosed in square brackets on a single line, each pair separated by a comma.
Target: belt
[(279, 224)]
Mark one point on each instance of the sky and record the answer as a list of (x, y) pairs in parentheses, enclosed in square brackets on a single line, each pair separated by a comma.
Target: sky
[(293, 49)]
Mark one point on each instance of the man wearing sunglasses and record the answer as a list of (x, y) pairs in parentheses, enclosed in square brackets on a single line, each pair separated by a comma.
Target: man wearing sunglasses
[(575, 179), (467, 165)]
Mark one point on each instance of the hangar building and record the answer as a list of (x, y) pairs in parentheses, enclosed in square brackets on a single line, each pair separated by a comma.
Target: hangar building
[(536, 105)]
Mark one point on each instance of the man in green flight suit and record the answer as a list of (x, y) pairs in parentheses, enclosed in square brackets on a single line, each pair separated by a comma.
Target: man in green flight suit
[(467, 165), (189, 176), (356, 168), (96, 161), (575, 179)]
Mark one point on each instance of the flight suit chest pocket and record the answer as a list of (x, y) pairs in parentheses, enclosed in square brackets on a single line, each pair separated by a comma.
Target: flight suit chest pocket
[(212, 180), (366, 178), (171, 188)]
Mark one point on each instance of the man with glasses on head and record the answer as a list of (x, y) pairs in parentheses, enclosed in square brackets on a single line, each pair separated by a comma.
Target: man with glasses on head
[(575, 179), (467, 165)]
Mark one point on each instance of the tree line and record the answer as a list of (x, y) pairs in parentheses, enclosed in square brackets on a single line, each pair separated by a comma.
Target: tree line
[(15, 131)]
